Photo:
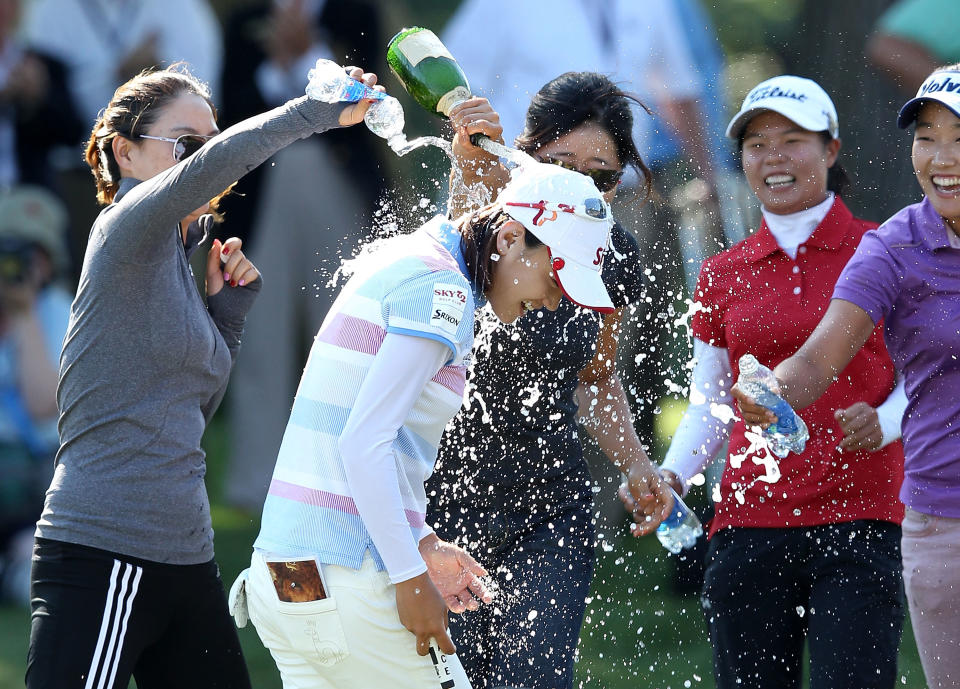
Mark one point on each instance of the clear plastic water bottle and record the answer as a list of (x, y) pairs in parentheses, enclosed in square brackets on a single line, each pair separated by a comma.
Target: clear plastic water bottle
[(329, 83), (681, 529), (789, 433)]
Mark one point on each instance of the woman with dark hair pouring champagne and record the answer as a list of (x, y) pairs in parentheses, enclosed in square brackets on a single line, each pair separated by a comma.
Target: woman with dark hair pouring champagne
[(512, 481)]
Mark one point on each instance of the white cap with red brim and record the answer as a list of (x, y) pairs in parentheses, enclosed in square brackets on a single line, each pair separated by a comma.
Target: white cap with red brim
[(564, 210), (943, 86)]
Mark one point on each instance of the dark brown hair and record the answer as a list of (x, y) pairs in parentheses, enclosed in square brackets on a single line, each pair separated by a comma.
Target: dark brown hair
[(134, 107), (478, 232), (576, 98), (838, 179)]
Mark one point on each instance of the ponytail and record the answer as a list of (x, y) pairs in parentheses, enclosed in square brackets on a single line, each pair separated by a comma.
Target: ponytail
[(838, 179), (134, 107), (103, 164)]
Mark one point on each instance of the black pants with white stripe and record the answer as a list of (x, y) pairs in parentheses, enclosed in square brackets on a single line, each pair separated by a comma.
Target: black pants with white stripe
[(100, 617)]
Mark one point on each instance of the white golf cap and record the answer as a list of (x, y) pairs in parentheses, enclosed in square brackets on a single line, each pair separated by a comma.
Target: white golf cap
[(943, 86), (800, 100), (565, 211)]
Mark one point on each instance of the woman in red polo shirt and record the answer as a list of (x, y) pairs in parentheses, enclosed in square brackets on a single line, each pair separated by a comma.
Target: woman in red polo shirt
[(806, 547)]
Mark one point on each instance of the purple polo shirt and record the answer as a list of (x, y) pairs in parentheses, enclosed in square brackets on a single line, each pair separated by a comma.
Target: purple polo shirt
[(906, 273)]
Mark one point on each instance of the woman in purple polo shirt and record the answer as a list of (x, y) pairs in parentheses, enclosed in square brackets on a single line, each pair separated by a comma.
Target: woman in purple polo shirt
[(907, 272)]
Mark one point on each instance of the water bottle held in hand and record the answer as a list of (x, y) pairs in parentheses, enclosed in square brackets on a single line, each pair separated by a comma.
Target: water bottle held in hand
[(789, 432), (681, 529), (329, 83)]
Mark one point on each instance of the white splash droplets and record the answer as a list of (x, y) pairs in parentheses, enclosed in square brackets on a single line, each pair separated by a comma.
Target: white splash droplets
[(684, 319), (533, 395), (724, 412)]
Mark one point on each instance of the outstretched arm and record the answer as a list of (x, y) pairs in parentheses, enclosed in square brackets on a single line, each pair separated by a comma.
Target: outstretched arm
[(702, 430), (481, 174), (152, 207), (806, 375), (605, 413)]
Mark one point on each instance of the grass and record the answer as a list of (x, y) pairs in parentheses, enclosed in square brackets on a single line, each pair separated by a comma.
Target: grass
[(639, 631)]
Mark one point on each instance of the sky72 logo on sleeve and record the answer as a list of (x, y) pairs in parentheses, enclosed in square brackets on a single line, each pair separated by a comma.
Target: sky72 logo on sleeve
[(449, 303)]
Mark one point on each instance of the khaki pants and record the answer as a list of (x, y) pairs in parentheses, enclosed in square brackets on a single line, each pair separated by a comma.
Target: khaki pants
[(352, 639), (931, 576)]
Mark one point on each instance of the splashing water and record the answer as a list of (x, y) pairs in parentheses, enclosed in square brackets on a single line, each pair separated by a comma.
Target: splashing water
[(762, 456), (401, 146), (683, 320), (485, 325), (724, 412), (512, 157)]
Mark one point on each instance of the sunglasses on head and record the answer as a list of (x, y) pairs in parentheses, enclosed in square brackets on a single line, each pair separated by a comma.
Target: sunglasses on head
[(605, 178), (595, 209), (183, 146)]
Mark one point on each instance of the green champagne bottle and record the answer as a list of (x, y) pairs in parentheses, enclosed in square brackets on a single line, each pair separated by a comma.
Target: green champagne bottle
[(432, 77), (427, 70)]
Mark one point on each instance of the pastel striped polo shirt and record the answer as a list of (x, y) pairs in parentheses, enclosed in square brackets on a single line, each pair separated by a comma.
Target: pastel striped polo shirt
[(413, 285)]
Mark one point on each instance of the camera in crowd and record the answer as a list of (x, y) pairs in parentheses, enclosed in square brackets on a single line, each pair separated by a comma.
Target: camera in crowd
[(16, 259), (33, 225)]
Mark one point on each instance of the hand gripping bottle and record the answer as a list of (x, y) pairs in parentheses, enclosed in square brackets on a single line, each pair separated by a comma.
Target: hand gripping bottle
[(329, 83), (681, 529), (432, 77), (789, 433)]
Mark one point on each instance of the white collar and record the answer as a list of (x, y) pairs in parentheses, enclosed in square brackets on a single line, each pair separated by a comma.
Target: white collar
[(953, 238), (794, 229)]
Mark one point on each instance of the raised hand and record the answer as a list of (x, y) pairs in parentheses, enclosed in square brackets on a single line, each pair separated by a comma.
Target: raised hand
[(354, 112), (290, 33), (474, 116), (227, 264)]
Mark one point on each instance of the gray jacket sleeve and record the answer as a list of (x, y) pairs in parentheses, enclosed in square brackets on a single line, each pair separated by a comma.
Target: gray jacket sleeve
[(228, 308), (142, 219)]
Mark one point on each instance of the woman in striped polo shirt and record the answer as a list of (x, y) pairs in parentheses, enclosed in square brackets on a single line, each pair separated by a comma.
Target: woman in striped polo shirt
[(346, 582)]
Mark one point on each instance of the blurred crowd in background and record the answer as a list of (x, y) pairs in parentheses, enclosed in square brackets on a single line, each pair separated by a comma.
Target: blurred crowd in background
[(690, 61)]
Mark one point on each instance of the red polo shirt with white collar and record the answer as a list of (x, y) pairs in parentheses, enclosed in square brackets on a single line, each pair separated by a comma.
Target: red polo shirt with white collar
[(760, 301)]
